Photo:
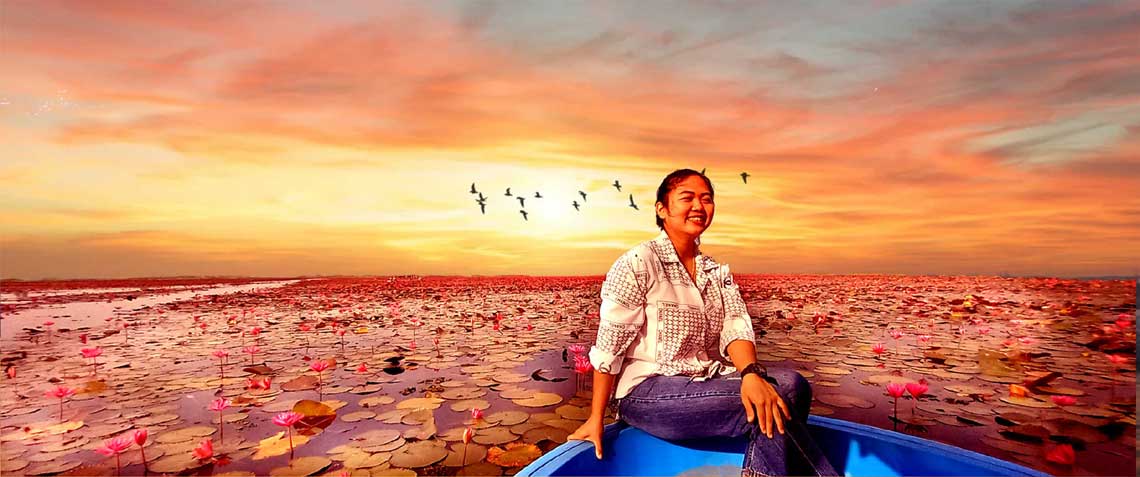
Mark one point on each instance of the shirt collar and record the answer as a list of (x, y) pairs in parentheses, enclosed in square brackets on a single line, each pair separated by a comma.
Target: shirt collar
[(665, 245)]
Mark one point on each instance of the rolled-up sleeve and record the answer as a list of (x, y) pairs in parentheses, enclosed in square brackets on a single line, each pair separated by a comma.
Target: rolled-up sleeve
[(622, 313), (737, 323)]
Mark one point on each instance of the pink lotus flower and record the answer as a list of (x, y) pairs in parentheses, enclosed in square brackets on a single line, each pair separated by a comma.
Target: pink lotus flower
[(983, 330), (114, 447), (896, 390), (220, 354), (476, 414), (1064, 400), (205, 449), (576, 349), (1123, 323), (220, 404), (61, 393), (1062, 454), (251, 350), (259, 383), (286, 420), (896, 334), (319, 365), (363, 368), (48, 324), (92, 353), (468, 434), (923, 338), (583, 365), (878, 349), (139, 437), (916, 389)]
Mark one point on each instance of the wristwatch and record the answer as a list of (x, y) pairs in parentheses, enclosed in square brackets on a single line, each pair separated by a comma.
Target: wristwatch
[(755, 368)]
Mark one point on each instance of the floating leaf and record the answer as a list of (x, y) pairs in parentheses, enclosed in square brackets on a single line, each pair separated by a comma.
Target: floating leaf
[(278, 444), (376, 401), (495, 436), (540, 400), (841, 400), (420, 403), (317, 415), (482, 469), (507, 418), (467, 405), (358, 416), (418, 454), (515, 455), (475, 454), (1028, 402), (302, 467), (377, 437), (300, 383)]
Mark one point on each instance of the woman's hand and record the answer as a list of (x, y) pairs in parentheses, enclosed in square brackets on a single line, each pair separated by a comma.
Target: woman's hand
[(769, 406), (591, 431)]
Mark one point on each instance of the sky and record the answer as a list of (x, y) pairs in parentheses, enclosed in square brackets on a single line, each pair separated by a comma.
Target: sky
[(276, 138)]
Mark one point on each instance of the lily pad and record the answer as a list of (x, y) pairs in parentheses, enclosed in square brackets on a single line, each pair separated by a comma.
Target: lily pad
[(468, 405), (514, 455), (376, 401), (455, 457), (302, 467), (418, 454), (539, 400), (278, 444), (507, 418), (494, 436), (844, 401)]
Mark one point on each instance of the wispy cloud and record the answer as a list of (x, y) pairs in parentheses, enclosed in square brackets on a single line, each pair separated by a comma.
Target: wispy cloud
[(882, 137)]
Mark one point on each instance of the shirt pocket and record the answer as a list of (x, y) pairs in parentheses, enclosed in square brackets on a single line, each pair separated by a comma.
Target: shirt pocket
[(681, 332)]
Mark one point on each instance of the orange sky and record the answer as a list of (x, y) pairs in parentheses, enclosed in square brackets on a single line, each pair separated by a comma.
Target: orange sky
[(298, 138)]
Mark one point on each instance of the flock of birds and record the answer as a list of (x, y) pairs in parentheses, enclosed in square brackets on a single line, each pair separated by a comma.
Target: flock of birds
[(482, 200)]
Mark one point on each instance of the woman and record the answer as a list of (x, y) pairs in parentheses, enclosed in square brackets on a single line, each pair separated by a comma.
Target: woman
[(670, 316)]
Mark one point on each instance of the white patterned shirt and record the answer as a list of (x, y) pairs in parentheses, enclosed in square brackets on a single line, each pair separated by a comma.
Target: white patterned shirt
[(655, 320)]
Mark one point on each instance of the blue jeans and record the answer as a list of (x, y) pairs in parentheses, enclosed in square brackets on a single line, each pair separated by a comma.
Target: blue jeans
[(677, 408)]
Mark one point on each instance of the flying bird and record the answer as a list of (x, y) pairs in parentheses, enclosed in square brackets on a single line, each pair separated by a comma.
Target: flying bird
[(583, 194), (631, 204), (522, 201), (473, 191), (508, 194), (744, 175), (481, 198), (617, 184), (524, 215), (482, 206), (537, 195), (576, 206)]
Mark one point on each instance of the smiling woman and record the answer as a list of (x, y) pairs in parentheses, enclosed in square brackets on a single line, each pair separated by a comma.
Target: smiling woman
[(675, 346)]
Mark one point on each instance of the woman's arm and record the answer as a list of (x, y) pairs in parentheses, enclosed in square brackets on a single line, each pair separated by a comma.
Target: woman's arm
[(593, 428), (760, 399)]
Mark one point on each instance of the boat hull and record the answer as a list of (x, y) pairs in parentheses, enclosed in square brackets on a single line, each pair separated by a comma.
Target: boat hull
[(853, 449)]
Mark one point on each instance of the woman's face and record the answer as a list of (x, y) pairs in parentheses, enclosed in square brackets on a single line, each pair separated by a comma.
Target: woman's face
[(690, 208)]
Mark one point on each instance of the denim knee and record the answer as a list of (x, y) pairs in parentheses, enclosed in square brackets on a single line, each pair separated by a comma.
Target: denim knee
[(795, 389)]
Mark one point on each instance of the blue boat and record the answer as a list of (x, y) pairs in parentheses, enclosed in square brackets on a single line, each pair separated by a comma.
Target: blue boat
[(853, 449)]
